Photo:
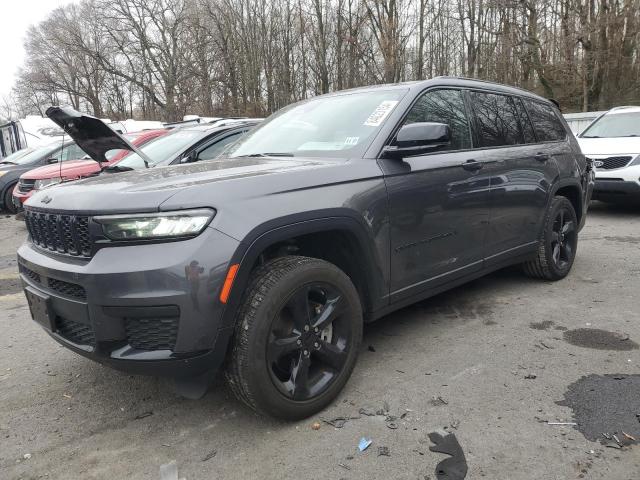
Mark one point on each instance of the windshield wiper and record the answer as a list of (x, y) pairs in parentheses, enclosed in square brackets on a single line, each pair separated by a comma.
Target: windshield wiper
[(589, 136), (270, 154), (118, 168), (8, 163)]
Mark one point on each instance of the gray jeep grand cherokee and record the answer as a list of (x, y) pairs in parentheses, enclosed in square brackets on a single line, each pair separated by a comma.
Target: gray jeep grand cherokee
[(333, 212)]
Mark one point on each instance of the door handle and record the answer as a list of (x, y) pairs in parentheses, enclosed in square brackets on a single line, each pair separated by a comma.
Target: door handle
[(541, 157), (472, 165)]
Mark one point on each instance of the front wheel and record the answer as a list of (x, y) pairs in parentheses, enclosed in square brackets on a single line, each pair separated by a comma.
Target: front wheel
[(559, 242), (297, 337), (8, 200)]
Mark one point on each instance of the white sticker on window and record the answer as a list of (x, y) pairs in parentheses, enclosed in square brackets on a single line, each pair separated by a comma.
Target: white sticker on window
[(351, 141), (380, 113)]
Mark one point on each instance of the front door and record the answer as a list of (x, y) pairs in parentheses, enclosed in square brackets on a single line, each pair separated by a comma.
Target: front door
[(438, 202)]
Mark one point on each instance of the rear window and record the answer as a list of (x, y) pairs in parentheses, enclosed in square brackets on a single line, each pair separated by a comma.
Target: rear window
[(496, 120), (545, 121)]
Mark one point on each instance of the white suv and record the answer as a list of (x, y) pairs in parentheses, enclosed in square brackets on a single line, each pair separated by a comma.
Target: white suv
[(612, 142)]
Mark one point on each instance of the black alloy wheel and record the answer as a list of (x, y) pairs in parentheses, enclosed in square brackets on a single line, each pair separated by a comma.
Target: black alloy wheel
[(309, 341), (297, 335)]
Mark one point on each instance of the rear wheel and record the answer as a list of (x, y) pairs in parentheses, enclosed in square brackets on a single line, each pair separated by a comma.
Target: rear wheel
[(557, 248), (8, 199), (297, 337)]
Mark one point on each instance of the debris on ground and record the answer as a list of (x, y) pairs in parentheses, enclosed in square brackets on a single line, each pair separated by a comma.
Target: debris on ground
[(364, 444), (562, 423), (438, 401), (143, 415), (209, 455), (630, 437), (530, 376), (346, 467), (169, 471), (383, 451), (454, 467), (315, 425), (371, 348), (26, 456), (338, 422)]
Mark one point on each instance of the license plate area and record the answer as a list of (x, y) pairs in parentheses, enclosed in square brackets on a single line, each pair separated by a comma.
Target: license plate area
[(40, 307)]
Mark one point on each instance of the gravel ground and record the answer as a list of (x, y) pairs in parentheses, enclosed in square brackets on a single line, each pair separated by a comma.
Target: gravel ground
[(492, 361)]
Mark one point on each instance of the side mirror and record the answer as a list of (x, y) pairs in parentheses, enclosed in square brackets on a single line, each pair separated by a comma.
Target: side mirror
[(192, 157), (51, 160), (417, 138)]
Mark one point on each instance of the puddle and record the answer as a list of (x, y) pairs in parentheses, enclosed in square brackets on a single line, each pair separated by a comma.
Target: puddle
[(605, 404), (599, 339)]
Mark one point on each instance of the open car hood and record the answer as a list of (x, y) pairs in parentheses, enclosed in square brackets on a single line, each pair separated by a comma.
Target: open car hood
[(90, 133)]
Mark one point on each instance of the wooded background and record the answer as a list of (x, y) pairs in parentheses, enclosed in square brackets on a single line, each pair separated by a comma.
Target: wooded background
[(162, 59)]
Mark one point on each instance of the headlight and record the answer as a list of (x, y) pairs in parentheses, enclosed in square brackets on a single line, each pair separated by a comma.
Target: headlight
[(635, 161), (46, 182), (183, 223)]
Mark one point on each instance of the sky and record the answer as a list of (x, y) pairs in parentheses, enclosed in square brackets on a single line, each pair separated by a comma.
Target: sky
[(16, 17)]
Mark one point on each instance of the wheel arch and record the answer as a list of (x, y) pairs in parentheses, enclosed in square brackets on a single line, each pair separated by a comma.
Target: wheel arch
[(342, 240), (572, 190)]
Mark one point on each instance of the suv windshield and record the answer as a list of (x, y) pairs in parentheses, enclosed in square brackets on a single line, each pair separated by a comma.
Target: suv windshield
[(334, 126), (614, 125), (162, 149)]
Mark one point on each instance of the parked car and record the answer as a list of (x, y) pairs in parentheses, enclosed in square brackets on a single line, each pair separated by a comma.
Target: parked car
[(49, 175), (333, 212), (12, 167), (612, 142), (183, 145)]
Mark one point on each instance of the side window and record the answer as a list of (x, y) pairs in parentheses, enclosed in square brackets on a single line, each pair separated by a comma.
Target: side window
[(444, 106), (525, 122), (213, 150), (496, 120), (545, 121), (70, 152)]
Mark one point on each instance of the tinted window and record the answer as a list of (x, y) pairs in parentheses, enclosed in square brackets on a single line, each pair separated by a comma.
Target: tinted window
[(545, 121), (525, 123), (444, 106), (213, 150), (496, 120)]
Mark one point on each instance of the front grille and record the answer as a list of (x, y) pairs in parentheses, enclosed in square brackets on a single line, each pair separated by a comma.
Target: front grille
[(27, 272), (75, 332), (152, 333), (68, 289), (25, 186), (67, 234), (611, 163)]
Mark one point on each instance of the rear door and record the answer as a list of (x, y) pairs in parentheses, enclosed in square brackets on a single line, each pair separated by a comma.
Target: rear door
[(438, 202), (521, 172)]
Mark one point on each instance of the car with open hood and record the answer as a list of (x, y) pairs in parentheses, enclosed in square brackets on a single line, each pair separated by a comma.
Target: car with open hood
[(50, 175), (267, 258), (612, 142)]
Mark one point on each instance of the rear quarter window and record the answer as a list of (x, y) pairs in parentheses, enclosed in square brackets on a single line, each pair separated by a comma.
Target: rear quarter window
[(496, 120), (545, 121)]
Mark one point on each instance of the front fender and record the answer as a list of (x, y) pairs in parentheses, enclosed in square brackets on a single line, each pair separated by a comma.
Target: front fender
[(376, 269)]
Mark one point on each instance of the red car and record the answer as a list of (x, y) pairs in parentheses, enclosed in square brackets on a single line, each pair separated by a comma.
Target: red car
[(41, 177)]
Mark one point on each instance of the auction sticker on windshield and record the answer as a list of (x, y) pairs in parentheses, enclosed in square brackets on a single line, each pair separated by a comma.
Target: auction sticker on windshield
[(380, 113)]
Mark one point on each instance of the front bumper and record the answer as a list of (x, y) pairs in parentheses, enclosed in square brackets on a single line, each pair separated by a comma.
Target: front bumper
[(148, 309), (616, 189)]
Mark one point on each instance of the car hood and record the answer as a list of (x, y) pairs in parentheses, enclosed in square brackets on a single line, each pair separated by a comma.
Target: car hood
[(207, 183), (610, 146), (71, 169), (90, 133)]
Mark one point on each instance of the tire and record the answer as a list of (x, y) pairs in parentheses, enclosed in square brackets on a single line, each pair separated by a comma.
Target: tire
[(8, 199), (558, 245), (284, 300)]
